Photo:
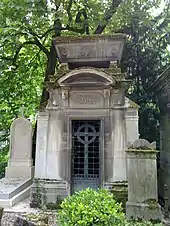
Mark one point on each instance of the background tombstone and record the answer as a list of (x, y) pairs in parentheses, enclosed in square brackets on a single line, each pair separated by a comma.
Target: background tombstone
[(20, 160), (142, 182)]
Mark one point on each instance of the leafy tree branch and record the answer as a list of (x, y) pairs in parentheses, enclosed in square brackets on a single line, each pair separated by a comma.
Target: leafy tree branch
[(108, 15)]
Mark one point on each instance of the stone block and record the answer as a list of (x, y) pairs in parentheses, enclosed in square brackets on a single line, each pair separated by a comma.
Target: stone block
[(144, 211), (13, 191), (11, 187), (19, 171), (48, 191)]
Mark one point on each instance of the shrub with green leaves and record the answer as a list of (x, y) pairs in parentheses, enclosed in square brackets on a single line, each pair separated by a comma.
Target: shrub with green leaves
[(90, 208)]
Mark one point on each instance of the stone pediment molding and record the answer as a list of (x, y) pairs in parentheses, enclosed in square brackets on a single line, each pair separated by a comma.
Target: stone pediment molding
[(86, 76)]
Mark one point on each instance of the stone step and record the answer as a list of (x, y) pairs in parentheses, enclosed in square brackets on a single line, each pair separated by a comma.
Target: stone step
[(15, 199), (9, 187)]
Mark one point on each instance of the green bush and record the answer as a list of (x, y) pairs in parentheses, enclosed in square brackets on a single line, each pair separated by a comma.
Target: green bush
[(90, 208), (94, 208), (4, 154)]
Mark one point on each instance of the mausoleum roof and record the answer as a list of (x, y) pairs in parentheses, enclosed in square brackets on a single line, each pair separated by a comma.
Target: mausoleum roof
[(87, 49)]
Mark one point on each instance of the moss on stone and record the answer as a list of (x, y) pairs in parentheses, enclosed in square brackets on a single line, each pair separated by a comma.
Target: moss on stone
[(75, 38), (152, 204), (120, 192), (141, 150), (54, 206)]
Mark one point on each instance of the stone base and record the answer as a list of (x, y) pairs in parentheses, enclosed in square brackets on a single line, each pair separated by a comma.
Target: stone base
[(19, 172), (13, 191), (48, 191), (143, 211), (119, 190)]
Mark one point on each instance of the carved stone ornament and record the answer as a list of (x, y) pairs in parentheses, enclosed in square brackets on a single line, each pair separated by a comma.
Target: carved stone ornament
[(64, 95)]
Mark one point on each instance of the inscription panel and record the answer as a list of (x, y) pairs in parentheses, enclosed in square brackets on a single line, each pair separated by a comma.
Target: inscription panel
[(86, 99)]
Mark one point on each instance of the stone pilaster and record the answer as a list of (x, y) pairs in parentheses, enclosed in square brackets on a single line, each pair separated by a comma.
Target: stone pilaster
[(56, 155), (115, 155), (41, 145)]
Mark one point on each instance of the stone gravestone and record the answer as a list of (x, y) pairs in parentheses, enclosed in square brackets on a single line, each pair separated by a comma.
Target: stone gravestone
[(16, 185), (142, 182), (20, 160)]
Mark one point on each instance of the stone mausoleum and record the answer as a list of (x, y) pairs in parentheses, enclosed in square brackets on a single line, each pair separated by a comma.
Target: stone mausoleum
[(87, 135), (83, 132)]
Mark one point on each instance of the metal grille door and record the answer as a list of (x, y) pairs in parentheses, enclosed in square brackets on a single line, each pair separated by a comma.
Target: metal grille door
[(85, 155)]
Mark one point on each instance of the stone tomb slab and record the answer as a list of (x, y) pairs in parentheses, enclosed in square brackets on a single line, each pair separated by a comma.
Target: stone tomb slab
[(13, 188)]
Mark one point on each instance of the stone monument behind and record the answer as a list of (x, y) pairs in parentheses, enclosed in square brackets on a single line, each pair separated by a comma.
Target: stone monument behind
[(18, 175), (20, 159), (142, 182)]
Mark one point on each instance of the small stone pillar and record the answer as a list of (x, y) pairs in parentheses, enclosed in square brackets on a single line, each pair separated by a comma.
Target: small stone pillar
[(142, 183)]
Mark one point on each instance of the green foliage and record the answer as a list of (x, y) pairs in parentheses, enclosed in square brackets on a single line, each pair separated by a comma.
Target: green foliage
[(145, 57), (4, 155), (26, 60), (90, 207)]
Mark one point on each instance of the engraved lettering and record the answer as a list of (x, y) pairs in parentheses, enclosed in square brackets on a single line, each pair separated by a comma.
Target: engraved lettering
[(86, 100)]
